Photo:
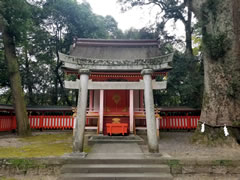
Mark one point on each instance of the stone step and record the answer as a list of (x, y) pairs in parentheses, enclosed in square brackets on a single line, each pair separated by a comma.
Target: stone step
[(115, 161), (116, 176), (115, 168), (115, 139)]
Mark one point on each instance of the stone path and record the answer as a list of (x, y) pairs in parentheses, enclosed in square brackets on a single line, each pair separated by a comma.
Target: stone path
[(118, 161), (115, 150)]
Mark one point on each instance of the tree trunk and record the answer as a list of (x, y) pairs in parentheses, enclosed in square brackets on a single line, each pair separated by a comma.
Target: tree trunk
[(61, 82), (15, 80), (221, 46), (28, 78), (188, 29)]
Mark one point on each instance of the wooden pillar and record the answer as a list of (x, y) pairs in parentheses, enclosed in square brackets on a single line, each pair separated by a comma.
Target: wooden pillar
[(158, 125), (101, 111), (131, 110), (91, 100), (141, 99)]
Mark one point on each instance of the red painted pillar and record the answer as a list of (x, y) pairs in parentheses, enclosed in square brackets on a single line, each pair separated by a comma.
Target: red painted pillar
[(91, 100), (101, 109), (141, 99), (188, 122)]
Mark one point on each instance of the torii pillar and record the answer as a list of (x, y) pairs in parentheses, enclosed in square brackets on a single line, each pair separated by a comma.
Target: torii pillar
[(78, 139), (150, 115)]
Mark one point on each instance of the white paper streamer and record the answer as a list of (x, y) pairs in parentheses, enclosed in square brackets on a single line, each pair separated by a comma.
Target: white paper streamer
[(225, 130), (203, 128)]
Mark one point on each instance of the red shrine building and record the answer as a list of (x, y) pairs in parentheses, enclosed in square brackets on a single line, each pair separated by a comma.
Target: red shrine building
[(116, 83)]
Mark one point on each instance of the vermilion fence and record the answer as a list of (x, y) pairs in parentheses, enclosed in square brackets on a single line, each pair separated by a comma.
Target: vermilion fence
[(179, 122), (51, 122), (8, 123)]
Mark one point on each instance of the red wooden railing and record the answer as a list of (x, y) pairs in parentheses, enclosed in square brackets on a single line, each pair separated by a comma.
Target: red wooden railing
[(7, 123), (178, 122), (171, 122), (51, 122)]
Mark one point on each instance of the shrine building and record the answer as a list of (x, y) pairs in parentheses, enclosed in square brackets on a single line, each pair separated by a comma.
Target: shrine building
[(116, 83)]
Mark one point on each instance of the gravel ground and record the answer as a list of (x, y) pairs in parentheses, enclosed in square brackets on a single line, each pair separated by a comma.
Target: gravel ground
[(175, 144), (207, 177), (178, 145), (22, 177)]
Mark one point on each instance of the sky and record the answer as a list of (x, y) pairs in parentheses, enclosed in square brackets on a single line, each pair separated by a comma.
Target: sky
[(137, 17)]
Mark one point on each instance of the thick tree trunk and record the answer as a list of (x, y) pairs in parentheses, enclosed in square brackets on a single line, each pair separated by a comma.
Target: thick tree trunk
[(15, 80), (221, 43)]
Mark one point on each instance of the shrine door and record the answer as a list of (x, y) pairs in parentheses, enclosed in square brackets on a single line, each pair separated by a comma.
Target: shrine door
[(116, 105)]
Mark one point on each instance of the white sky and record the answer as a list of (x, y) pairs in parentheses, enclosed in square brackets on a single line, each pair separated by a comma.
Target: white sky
[(133, 18), (136, 17)]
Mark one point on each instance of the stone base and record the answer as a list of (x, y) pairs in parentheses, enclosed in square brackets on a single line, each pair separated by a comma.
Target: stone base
[(153, 155), (76, 155), (115, 139)]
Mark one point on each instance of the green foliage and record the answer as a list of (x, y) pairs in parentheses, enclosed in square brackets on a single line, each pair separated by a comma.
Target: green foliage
[(144, 33), (185, 83), (209, 9), (3, 71), (43, 29), (16, 15), (22, 164), (174, 163), (223, 162), (168, 10), (197, 40), (51, 27)]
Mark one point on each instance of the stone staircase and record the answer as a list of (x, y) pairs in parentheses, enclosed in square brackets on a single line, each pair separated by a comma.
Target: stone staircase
[(115, 169)]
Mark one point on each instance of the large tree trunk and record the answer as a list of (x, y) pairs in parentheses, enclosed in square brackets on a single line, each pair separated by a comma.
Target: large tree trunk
[(16, 87), (221, 42)]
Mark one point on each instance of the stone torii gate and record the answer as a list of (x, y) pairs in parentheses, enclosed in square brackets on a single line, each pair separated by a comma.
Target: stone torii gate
[(85, 66)]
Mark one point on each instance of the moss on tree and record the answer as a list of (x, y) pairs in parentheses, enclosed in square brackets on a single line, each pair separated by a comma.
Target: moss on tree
[(216, 45)]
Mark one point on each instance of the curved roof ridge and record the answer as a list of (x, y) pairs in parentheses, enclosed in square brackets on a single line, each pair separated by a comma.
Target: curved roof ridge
[(117, 42)]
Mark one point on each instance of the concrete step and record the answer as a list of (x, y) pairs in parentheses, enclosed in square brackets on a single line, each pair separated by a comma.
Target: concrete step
[(115, 168), (116, 176), (115, 161), (115, 139)]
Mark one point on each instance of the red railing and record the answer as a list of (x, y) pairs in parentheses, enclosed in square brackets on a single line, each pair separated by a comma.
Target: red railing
[(179, 122), (7, 123), (171, 122), (51, 122)]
